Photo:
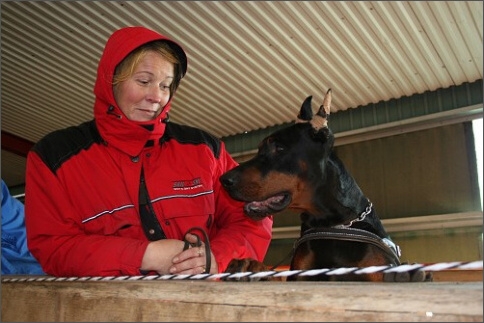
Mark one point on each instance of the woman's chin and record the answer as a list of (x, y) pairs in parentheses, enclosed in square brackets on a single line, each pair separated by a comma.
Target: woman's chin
[(143, 116)]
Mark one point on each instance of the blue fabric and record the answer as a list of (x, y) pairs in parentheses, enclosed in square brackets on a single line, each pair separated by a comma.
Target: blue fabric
[(16, 257)]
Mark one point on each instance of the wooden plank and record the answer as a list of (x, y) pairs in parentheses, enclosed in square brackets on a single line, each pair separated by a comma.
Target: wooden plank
[(457, 275), (210, 300)]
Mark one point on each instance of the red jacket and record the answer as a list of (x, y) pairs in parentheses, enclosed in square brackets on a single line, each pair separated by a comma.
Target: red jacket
[(82, 185)]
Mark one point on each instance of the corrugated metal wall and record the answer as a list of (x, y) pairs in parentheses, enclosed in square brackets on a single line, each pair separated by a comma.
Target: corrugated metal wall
[(250, 62)]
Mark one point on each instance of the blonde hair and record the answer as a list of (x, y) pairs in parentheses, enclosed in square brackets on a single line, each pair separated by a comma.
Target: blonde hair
[(126, 68)]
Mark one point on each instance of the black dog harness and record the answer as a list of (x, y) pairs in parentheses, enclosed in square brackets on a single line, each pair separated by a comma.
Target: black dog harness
[(351, 234), (345, 232)]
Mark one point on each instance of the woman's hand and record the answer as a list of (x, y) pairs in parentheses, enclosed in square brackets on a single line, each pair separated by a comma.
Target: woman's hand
[(193, 260), (159, 254), (167, 256)]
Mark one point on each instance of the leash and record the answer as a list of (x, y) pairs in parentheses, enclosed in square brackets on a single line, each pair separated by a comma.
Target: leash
[(474, 265), (208, 255)]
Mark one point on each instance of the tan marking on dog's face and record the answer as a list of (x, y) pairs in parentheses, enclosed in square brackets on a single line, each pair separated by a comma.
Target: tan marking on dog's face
[(302, 199), (260, 188), (257, 188), (302, 194)]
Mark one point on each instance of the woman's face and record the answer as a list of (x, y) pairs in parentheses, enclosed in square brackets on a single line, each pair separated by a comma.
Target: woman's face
[(144, 94)]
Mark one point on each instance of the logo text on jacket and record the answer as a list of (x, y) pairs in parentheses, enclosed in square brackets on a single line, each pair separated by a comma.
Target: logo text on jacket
[(187, 184)]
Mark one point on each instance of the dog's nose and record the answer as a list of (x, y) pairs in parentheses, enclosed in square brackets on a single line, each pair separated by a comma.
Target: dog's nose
[(227, 181)]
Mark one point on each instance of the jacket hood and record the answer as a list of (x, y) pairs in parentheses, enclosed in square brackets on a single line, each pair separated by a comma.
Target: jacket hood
[(117, 130)]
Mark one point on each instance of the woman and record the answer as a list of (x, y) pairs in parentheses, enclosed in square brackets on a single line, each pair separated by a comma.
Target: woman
[(116, 195)]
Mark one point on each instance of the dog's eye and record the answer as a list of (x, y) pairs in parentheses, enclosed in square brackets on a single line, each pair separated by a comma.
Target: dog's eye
[(278, 148)]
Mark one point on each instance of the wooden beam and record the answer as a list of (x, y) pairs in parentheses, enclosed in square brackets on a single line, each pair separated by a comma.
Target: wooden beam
[(210, 300), (15, 144)]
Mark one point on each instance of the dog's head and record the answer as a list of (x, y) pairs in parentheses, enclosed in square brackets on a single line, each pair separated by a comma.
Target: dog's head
[(288, 165)]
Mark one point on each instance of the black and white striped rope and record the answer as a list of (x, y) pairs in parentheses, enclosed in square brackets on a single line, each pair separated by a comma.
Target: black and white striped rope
[(474, 265)]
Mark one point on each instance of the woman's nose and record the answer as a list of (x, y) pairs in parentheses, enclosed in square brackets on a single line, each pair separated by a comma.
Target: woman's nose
[(155, 94)]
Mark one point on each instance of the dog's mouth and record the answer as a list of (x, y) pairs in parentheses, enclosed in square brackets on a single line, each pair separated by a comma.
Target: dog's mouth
[(257, 210)]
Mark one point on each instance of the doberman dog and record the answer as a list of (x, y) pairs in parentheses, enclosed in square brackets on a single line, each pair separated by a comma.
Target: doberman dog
[(296, 168)]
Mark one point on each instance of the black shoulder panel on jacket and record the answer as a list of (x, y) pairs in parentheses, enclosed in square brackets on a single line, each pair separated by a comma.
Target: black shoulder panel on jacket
[(60, 145), (189, 135)]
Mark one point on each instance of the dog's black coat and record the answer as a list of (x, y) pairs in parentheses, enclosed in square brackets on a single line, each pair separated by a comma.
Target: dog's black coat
[(297, 168)]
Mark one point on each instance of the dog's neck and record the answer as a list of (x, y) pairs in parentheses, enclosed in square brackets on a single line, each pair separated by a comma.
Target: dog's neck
[(341, 203), (360, 218), (366, 220)]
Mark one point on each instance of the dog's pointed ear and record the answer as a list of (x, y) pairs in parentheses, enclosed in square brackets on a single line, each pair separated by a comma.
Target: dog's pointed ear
[(325, 108), (306, 112), (320, 120)]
